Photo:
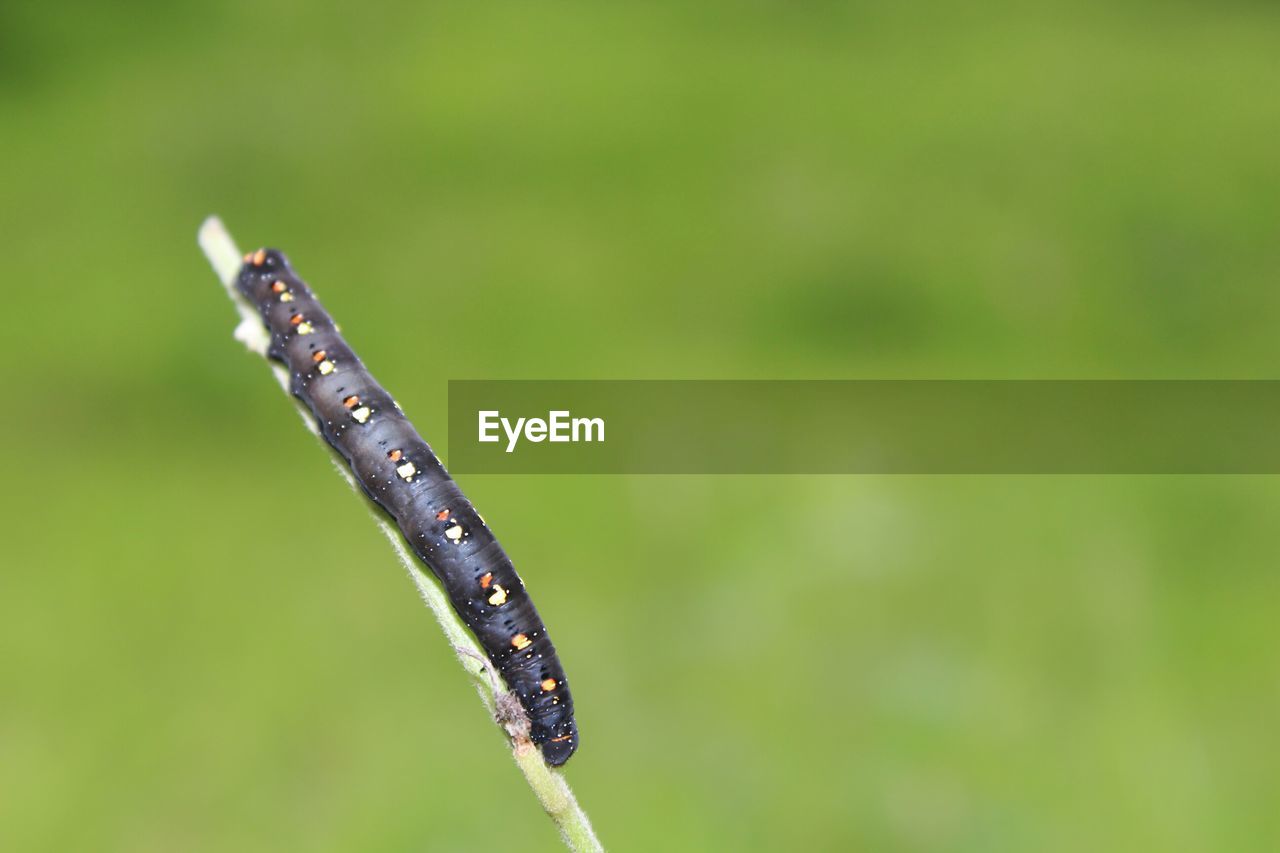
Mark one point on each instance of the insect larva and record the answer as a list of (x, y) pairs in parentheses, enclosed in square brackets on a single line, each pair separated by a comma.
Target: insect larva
[(399, 471)]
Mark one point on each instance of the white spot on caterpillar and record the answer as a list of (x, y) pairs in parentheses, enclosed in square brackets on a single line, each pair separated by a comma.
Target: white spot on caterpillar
[(286, 297), (362, 414), (326, 367), (304, 328), (499, 596), (454, 533), (407, 470)]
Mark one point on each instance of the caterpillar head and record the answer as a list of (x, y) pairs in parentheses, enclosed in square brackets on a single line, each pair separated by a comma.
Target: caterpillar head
[(561, 743)]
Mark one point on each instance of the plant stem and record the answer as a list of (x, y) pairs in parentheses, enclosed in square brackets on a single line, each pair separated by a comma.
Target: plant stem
[(548, 785)]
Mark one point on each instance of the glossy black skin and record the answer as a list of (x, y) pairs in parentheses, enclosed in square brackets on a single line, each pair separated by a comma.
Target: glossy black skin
[(414, 505)]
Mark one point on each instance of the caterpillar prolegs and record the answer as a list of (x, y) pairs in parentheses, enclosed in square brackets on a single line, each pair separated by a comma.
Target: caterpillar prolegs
[(399, 471)]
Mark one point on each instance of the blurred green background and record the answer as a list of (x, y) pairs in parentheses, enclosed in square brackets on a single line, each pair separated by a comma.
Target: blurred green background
[(206, 644)]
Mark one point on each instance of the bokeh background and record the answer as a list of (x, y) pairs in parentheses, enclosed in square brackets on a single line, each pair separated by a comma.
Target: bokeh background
[(206, 646)]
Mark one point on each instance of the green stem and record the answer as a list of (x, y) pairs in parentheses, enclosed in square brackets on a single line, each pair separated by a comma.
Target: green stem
[(548, 785)]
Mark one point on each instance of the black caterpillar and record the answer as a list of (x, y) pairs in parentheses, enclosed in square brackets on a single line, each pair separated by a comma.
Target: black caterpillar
[(398, 470)]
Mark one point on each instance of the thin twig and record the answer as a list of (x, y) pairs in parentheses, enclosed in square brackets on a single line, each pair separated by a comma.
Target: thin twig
[(548, 785)]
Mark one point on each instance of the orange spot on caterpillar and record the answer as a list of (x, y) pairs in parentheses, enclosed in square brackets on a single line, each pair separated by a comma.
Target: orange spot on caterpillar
[(259, 256), (395, 455), (442, 515), (486, 580), (562, 738), (521, 642), (318, 356), (351, 402), (277, 287), (548, 685), (295, 319)]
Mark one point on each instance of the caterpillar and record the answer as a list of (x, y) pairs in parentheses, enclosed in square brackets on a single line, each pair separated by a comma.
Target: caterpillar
[(397, 469)]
